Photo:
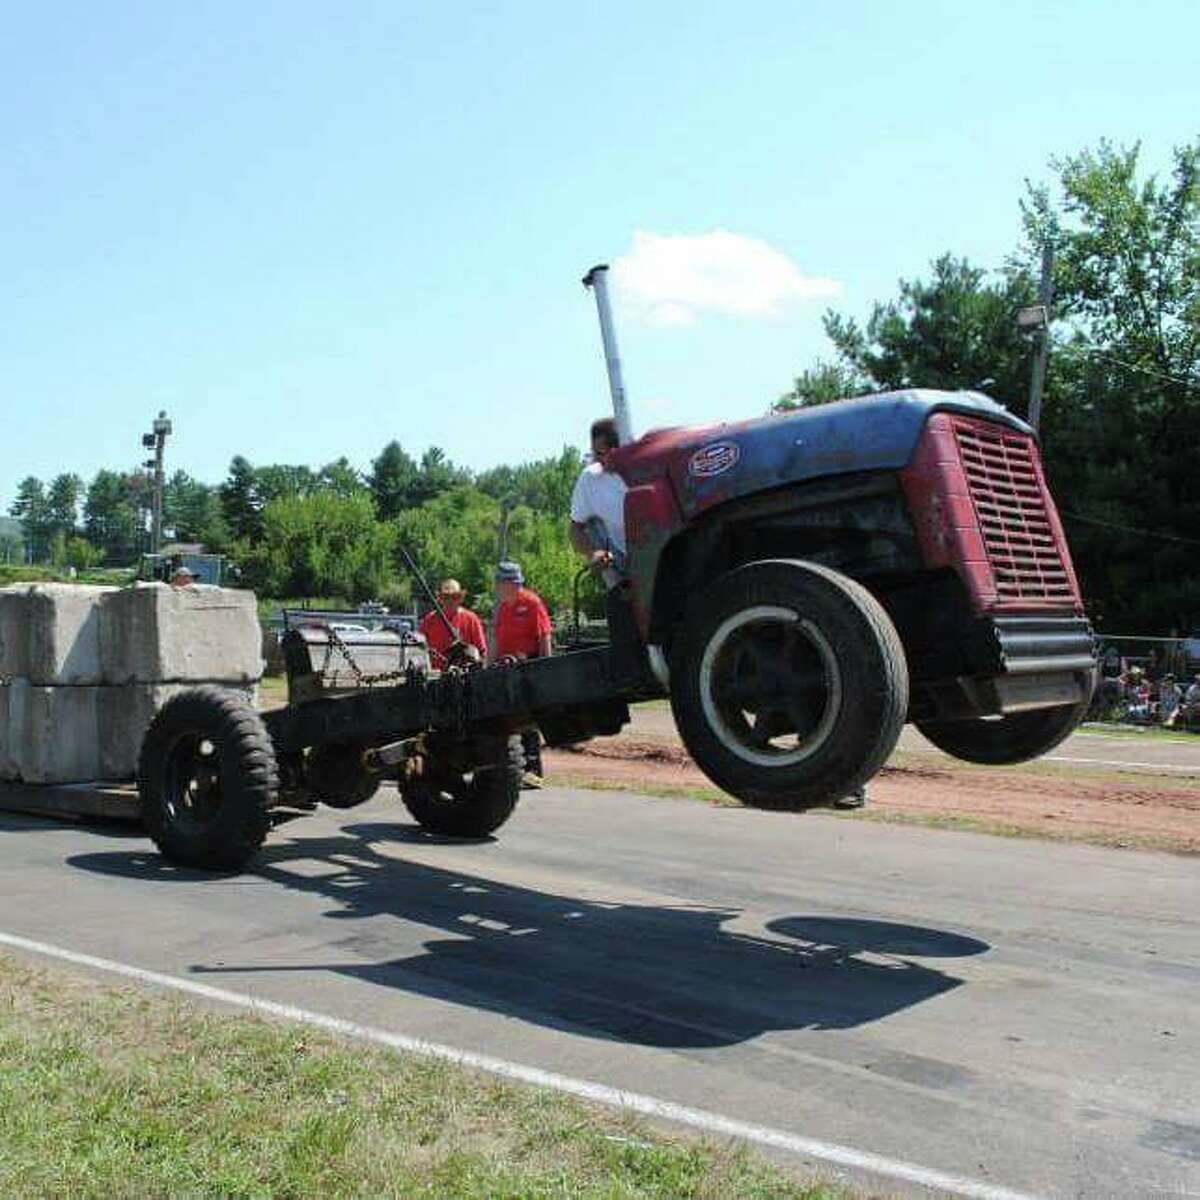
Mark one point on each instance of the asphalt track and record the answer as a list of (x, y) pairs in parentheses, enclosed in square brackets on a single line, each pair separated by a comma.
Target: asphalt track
[(1021, 1014)]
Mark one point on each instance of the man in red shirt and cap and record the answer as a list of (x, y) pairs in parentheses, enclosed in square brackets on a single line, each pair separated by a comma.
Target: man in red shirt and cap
[(467, 625), (523, 630)]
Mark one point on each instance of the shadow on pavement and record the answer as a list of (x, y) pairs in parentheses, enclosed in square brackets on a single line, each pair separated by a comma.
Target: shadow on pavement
[(655, 975)]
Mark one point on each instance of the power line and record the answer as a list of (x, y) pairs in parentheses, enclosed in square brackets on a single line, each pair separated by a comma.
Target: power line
[(1166, 537), (1120, 362)]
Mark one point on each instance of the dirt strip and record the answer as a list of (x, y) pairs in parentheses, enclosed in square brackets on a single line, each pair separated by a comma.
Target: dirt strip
[(1108, 808)]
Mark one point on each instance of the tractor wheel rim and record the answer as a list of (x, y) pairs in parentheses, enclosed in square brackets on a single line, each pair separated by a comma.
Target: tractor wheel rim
[(770, 686)]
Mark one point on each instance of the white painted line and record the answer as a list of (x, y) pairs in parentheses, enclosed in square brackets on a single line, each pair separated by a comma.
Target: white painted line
[(697, 1118), (1113, 762)]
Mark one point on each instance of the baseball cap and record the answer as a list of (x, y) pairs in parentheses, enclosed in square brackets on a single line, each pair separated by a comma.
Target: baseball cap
[(509, 572)]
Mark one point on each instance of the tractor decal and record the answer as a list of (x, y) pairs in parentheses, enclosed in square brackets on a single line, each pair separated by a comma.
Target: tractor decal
[(714, 459)]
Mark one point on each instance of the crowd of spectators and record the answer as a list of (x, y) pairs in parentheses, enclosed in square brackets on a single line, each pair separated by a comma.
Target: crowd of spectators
[(1147, 693)]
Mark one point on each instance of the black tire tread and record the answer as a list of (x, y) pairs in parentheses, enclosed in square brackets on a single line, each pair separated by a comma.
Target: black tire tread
[(1015, 738), (249, 778), (494, 795), (745, 781)]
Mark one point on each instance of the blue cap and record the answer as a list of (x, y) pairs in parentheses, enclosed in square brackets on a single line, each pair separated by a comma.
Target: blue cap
[(509, 572)]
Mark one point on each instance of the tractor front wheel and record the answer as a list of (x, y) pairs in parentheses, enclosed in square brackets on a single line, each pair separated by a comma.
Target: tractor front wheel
[(788, 684)]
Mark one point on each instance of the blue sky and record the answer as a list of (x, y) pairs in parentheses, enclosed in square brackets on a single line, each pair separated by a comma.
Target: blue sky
[(305, 229)]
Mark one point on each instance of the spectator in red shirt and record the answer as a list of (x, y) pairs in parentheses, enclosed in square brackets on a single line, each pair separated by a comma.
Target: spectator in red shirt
[(469, 626), (523, 627), (523, 630)]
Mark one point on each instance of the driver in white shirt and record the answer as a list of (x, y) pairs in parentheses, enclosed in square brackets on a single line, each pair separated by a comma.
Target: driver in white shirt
[(598, 503)]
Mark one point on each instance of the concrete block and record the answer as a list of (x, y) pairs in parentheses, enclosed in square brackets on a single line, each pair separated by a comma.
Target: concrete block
[(14, 631), (79, 734), (53, 733), (125, 714), (8, 758), (64, 634), (153, 633)]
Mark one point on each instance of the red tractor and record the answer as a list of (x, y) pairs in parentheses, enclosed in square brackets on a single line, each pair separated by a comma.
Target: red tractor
[(800, 586)]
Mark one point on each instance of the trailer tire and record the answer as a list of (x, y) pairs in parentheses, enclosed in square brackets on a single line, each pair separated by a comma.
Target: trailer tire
[(1001, 741), (785, 649), (207, 780), (459, 806), (336, 777)]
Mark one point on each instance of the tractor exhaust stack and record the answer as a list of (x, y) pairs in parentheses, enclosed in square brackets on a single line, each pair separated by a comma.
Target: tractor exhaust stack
[(597, 280)]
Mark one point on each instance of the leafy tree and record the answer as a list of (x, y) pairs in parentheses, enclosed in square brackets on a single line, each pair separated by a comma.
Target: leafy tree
[(79, 553), (241, 501), (822, 383), (62, 503), (114, 514), (437, 474), (454, 534), (957, 331), (391, 480), (12, 547), (284, 481), (32, 509), (1122, 409), (320, 545), (193, 512), (340, 477), (545, 485)]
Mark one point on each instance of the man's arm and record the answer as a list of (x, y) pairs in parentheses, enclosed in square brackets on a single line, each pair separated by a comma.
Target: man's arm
[(582, 542)]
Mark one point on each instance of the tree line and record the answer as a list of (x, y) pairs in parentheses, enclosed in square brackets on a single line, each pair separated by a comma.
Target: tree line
[(1121, 410), (332, 532), (1120, 426)]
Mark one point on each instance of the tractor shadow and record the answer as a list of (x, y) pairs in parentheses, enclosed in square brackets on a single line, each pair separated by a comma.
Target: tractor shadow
[(653, 975)]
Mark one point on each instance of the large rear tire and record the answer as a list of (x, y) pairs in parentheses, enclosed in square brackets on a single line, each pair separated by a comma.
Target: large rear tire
[(789, 684), (467, 806), (207, 780), (336, 776), (1000, 741)]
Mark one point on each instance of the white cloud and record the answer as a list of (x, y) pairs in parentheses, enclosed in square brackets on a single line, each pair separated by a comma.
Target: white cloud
[(671, 279)]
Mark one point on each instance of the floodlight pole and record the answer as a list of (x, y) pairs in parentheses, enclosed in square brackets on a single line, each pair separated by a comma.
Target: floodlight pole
[(1042, 338), (157, 438)]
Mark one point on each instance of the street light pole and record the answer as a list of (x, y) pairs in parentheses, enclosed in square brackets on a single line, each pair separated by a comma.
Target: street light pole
[(157, 440), (1041, 337)]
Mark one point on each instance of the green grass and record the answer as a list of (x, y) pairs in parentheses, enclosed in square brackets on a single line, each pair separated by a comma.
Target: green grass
[(999, 828), (113, 1092), (1139, 733), (269, 606), (112, 576)]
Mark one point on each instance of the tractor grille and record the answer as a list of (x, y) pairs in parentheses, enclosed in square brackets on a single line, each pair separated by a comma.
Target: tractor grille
[(1010, 500)]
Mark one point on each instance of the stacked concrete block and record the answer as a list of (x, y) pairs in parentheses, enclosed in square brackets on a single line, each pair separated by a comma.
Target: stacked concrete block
[(14, 631), (157, 634), (84, 670)]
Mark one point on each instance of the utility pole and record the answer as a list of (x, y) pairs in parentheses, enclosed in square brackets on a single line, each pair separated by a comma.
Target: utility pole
[(1041, 335), (156, 440)]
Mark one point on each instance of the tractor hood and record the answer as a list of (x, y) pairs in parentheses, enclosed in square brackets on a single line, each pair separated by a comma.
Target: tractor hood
[(710, 464)]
